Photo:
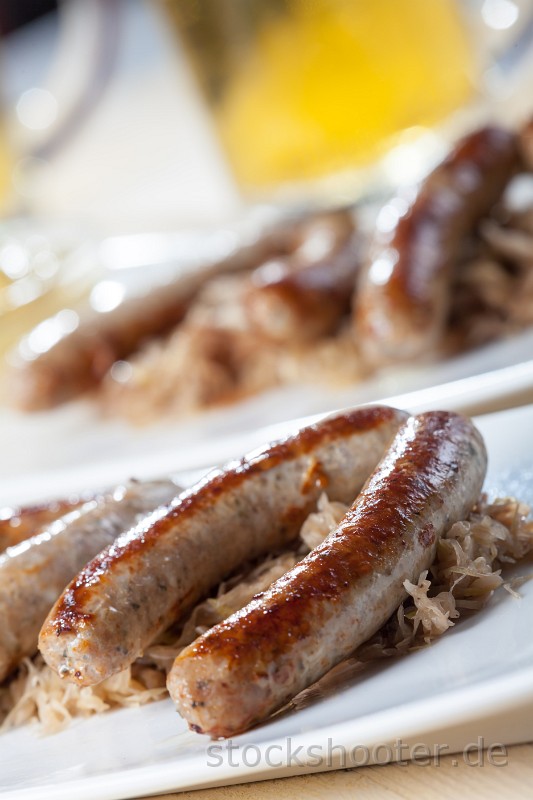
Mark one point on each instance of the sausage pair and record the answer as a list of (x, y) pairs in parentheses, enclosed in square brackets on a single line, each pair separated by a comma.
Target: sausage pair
[(314, 616)]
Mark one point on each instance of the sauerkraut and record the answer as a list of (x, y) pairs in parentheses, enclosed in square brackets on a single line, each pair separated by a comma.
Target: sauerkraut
[(466, 571)]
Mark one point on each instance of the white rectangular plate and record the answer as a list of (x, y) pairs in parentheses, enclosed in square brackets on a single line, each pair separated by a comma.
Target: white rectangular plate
[(476, 681), (57, 440)]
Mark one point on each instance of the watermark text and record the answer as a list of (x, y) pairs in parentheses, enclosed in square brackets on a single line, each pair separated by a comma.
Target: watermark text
[(287, 753)]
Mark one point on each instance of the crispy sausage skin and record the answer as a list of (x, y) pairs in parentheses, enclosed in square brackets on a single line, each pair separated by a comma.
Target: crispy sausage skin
[(526, 145), (303, 295), (343, 591), (33, 573), (22, 522), (78, 362), (403, 296), (134, 589)]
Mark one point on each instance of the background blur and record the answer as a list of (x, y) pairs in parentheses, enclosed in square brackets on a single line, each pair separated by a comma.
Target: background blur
[(142, 153), (103, 123), (104, 131)]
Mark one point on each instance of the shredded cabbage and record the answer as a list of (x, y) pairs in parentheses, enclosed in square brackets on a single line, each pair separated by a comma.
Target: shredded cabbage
[(465, 573)]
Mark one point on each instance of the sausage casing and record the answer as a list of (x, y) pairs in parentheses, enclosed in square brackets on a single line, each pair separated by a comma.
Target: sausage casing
[(152, 575), (333, 600), (18, 523), (403, 296), (80, 359), (303, 295), (33, 573)]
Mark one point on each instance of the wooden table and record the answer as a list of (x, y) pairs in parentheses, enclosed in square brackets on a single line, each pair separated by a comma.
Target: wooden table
[(451, 778)]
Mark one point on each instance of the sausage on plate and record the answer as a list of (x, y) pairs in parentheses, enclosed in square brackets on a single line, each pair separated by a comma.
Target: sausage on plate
[(78, 361), (251, 664), (403, 297), (33, 573), (526, 144), (22, 522), (149, 577), (303, 295)]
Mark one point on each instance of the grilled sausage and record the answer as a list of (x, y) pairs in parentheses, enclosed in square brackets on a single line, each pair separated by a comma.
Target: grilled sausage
[(343, 591), (404, 294), (526, 145), (22, 522), (133, 590), (303, 295), (33, 573), (79, 360)]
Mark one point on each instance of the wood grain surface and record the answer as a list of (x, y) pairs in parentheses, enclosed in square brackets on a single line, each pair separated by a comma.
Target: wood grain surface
[(451, 778)]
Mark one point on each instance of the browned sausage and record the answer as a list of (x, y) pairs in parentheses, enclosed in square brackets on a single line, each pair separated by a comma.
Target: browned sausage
[(34, 573), (18, 523), (134, 589), (81, 357), (404, 295), (248, 666), (303, 295), (526, 144)]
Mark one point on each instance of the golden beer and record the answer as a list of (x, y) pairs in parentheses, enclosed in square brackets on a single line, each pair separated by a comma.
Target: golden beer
[(300, 89)]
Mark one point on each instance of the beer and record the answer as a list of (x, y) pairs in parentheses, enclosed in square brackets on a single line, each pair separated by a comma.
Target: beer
[(301, 89)]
